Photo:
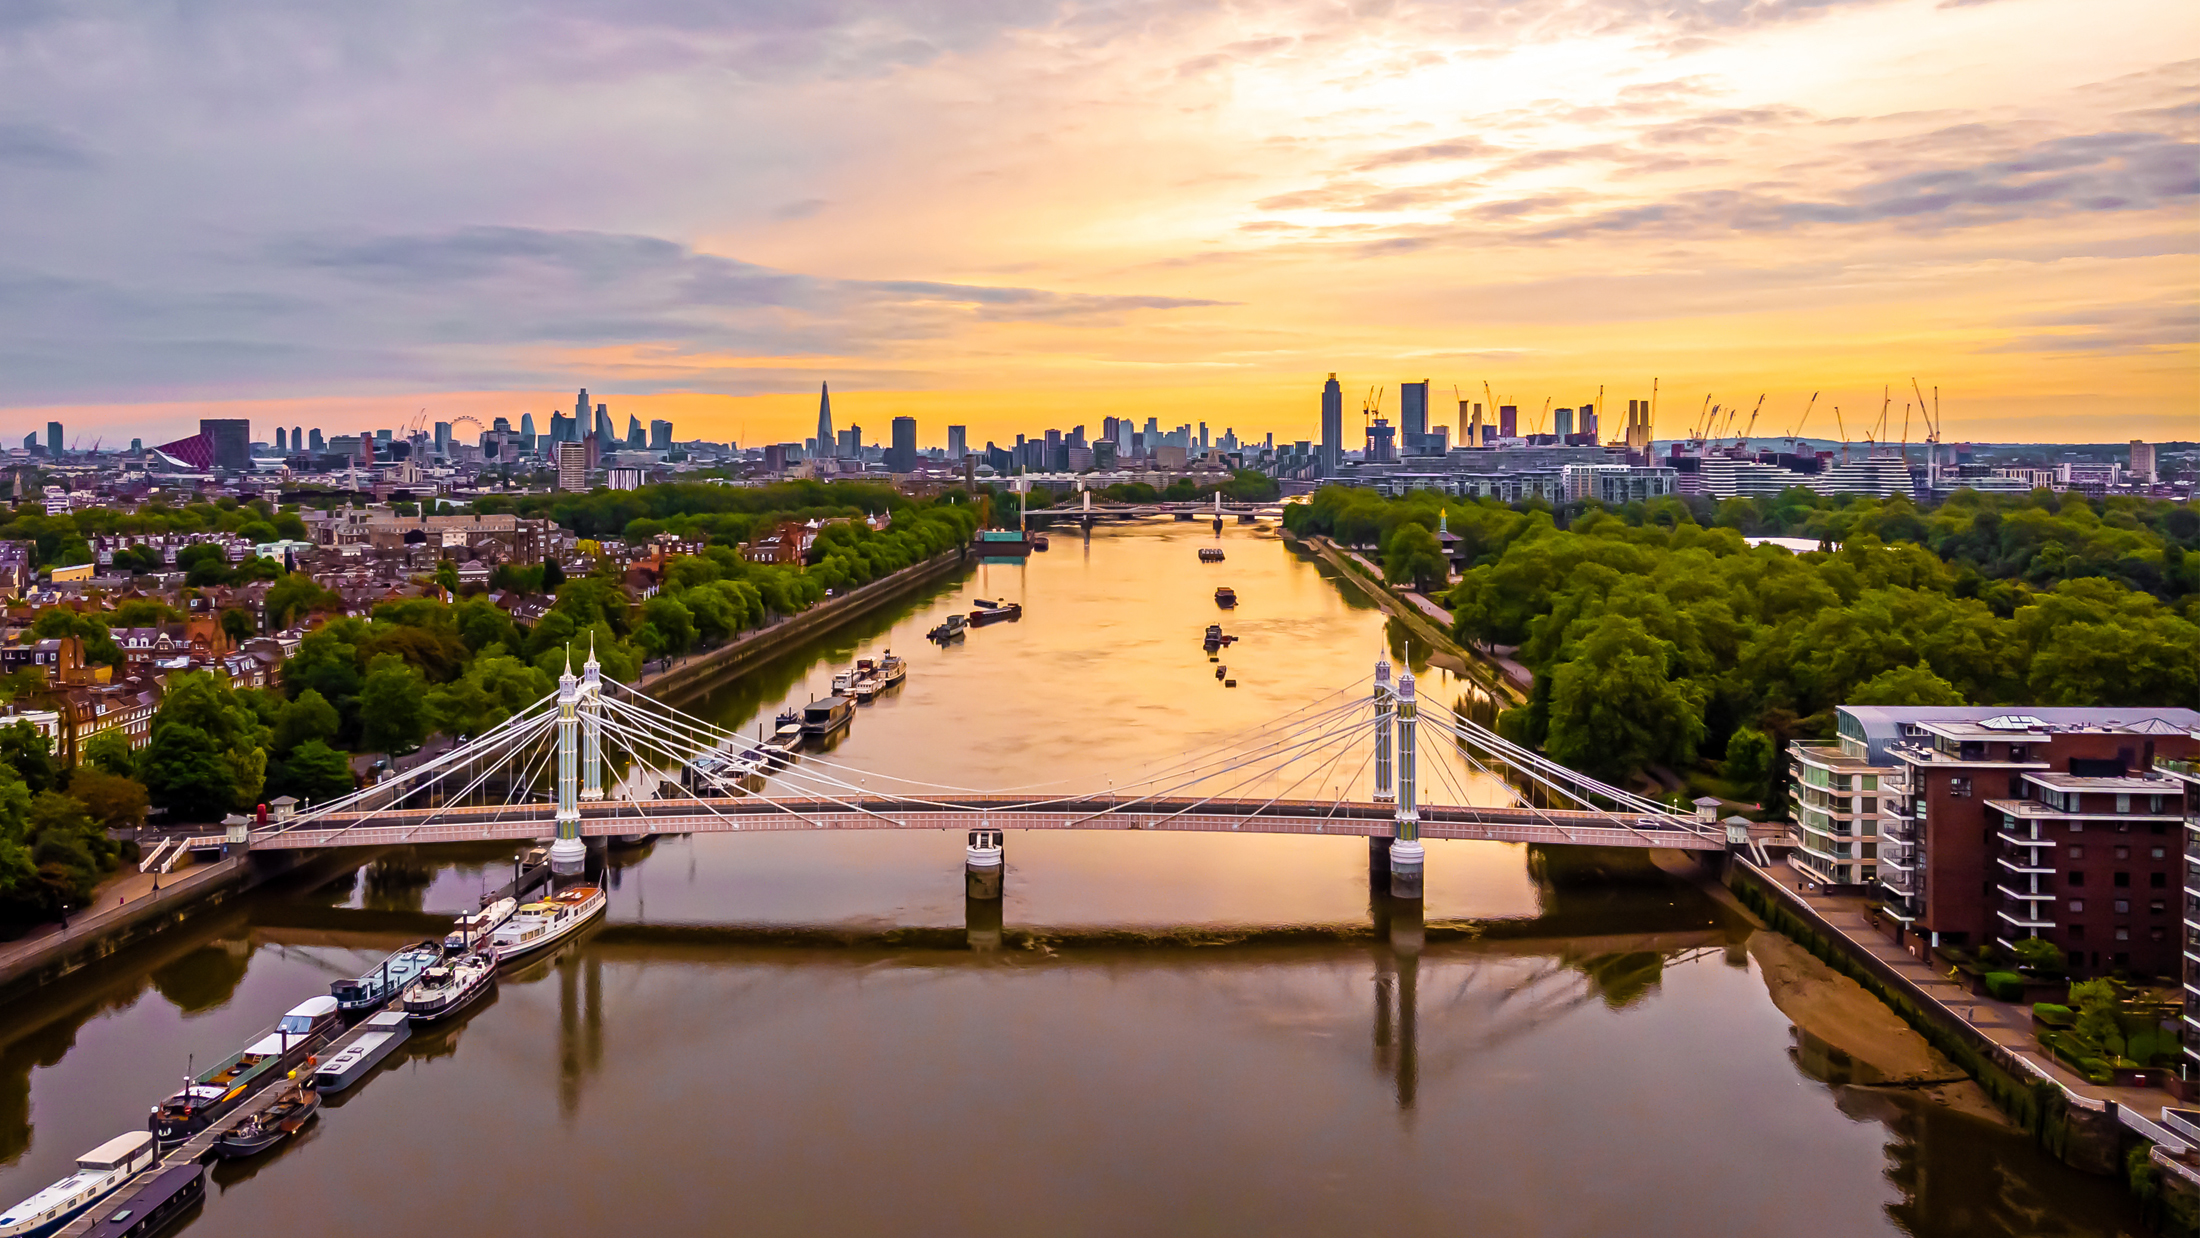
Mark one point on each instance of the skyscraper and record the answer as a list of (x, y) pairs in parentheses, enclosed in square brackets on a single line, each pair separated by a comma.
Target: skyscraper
[(826, 443), (279, 444), (315, 442), (606, 437), (53, 438), (580, 409), (634, 437), (958, 441), (297, 440), (572, 466), (229, 437), (2142, 467), (1508, 421), (1586, 423), (1562, 423), (660, 435), (1413, 411), (850, 444), (526, 431), (902, 456), (1332, 425)]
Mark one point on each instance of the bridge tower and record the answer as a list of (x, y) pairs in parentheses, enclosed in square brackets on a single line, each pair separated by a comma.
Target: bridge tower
[(568, 854), (1406, 853), (591, 714), (1378, 847)]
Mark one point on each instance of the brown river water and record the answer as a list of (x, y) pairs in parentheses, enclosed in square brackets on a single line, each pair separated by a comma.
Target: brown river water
[(788, 1033)]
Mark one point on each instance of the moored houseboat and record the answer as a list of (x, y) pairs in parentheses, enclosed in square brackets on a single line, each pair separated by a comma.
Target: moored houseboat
[(450, 987), (168, 1198), (385, 1032), (258, 1132), (823, 717), (547, 921), (99, 1173), (214, 1093), (387, 979)]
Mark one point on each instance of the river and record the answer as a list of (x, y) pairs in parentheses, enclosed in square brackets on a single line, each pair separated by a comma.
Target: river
[(786, 1033)]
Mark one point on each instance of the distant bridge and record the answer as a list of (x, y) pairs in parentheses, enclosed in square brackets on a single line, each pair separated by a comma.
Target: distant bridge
[(542, 773), (1085, 511)]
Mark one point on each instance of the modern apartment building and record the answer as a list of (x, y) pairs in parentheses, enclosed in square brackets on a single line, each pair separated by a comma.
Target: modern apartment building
[(1980, 824), (2187, 776)]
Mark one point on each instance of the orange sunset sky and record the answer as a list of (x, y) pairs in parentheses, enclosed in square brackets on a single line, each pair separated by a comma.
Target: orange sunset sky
[(1020, 215)]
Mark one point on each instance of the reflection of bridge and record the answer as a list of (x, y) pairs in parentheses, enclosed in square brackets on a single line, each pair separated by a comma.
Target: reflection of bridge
[(543, 772)]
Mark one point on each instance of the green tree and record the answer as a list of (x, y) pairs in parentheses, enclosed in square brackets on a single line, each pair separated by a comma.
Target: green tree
[(446, 575), (295, 596), (494, 688), (1615, 708), (306, 719), (110, 751), (238, 625), (393, 706), (2097, 1003), (1906, 686), (27, 750), (111, 800), (1414, 557), (312, 772), (1750, 755), (208, 753), (553, 575)]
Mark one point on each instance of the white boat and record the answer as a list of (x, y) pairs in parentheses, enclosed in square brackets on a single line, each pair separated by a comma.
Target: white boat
[(842, 682), (864, 689), (546, 921), (385, 1031), (892, 670), (99, 1173), (478, 925), (447, 989)]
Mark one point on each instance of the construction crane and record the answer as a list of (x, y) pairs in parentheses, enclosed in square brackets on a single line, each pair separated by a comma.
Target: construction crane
[(1543, 418), (1490, 402), (1843, 426), (1797, 436), (1905, 433), (1703, 421), (1752, 427), (1932, 424)]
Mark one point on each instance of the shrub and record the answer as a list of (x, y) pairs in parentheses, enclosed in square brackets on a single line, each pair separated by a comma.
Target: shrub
[(2005, 986), (2053, 1015), (2095, 1070)]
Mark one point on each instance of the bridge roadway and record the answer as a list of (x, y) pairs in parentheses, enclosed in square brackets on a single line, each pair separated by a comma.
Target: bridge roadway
[(418, 826)]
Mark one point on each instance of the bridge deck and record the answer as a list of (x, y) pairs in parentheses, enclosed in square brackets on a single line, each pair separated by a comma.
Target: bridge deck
[(416, 826)]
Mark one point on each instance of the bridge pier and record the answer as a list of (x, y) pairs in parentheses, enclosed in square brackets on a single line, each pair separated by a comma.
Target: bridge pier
[(982, 923), (984, 865)]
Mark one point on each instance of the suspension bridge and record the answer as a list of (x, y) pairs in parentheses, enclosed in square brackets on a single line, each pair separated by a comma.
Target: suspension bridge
[(597, 758)]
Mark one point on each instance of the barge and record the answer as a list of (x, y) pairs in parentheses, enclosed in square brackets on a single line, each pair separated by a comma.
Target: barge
[(213, 1094), (99, 1173), (152, 1208), (547, 921), (387, 980), (385, 1032)]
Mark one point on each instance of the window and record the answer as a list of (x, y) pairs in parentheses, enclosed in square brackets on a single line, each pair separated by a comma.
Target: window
[(1871, 804), (2157, 881), (2123, 906), (2077, 853), (2158, 852), (2076, 877), (2157, 906), (2077, 906), (2123, 880), (2123, 853), (2123, 803), (2077, 932), (1959, 788), (2157, 933), (2123, 932)]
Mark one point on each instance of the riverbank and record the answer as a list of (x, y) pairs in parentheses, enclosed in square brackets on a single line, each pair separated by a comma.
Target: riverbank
[(1426, 620), (700, 671), (2090, 1127)]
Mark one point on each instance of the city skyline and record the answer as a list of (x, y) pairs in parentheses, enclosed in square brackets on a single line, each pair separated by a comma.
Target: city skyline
[(1730, 201)]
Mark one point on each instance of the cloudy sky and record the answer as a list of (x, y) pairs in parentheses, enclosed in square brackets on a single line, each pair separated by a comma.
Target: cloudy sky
[(1023, 213)]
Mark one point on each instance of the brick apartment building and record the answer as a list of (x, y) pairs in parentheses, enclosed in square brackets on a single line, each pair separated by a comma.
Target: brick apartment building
[(2187, 776), (1980, 824)]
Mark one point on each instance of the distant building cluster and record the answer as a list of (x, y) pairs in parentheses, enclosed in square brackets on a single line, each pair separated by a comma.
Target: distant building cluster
[(1495, 456)]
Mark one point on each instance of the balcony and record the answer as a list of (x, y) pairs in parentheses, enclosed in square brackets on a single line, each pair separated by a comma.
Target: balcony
[(1902, 858), (2020, 921), (2014, 841), (2020, 864), (1901, 881), (1901, 829), (2039, 896)]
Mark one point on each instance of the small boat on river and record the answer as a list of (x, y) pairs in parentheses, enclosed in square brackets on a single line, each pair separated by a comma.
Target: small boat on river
[(474, 926), (823, 717), (387, 979), (951, 629), (449, 988), (1226, 597), (994, 612), (547, 921), (891, 670), (1210, 554), (270, 1126), (385, 1031), (99, 1173)]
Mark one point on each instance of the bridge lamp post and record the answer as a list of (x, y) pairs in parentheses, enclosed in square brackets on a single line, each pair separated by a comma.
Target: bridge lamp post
[(1378, 847), (591, 714)]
